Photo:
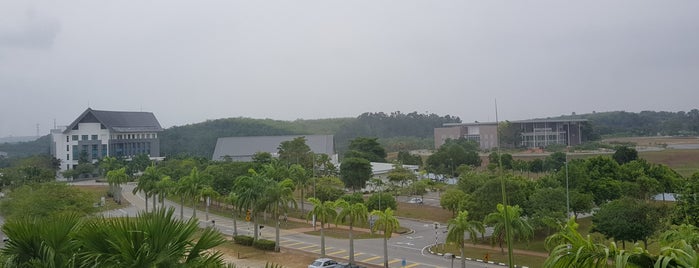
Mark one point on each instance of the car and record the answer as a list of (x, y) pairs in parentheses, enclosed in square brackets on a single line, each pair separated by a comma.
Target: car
[(324, 263), (415, 200)]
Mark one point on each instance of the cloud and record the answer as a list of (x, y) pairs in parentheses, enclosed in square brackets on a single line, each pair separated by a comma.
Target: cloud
[(34, 32)]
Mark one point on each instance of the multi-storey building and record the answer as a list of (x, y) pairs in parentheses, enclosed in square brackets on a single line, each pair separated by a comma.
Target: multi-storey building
[(96, 134), (537, 133)]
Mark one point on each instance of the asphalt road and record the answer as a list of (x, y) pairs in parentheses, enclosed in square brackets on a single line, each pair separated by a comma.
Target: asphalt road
[(409, 249)]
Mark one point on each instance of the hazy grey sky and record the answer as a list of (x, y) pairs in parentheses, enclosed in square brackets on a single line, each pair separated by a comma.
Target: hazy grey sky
[(188, 61)]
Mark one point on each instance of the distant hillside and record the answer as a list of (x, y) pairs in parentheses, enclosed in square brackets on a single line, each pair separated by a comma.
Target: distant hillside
[(22, 149), (646, 123), (396, 131), (200, 139), (18, 139)]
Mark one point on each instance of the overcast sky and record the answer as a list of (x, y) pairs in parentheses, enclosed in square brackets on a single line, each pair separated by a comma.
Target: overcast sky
[(189, 61)]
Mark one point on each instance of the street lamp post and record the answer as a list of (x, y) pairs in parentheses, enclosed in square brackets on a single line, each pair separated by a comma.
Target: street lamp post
[(567, 191), (436, 233)]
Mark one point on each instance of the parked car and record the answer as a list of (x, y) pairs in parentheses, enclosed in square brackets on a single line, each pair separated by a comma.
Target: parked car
[(415, 200), (324, 263)]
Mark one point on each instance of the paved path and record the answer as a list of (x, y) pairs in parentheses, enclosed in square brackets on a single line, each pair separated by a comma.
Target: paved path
[(404, 250)]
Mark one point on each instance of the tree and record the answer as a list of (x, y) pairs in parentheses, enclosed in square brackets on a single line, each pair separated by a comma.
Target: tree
[(379, 201), (208, 193), (109, 163), (328, 188), (323, 212), (299, 175), (624, 154), (278, 197), (687, 208), (367, 148), (453, 154), (150, 240), (581, 203), (355, 172), (406, 158), (296, 152), (164, 187), (547, 207), (45, 242), (627, 219), (262, 158), (457, 229), (147, 183), (519, 227), (354, 214), (401, 175), (250, 190), (452, 200), (568, 248), (45, 200), (116, 178), (387, 223)]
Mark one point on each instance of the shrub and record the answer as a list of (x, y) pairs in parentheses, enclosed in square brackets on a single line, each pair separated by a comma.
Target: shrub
[(244, 240), (264, 244)]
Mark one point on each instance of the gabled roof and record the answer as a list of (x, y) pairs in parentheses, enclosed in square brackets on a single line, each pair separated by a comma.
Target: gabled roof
[(119, 121), (243, 148)]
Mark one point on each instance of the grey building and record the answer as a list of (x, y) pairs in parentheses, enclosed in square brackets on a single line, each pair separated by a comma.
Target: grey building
[(243, 148), (536, 133), (106, 133)]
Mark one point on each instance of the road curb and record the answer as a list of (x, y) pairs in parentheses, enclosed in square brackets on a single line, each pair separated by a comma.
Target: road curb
[(476, 260)]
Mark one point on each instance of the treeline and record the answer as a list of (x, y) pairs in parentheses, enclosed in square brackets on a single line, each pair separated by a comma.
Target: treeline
[(645, 123), (396, 131)]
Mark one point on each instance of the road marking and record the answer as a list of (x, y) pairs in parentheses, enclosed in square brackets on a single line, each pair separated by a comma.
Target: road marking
[(393, 261), (293, 244), (412, 265), (307, 247), (355, 255), (371, 259), (336, 252)]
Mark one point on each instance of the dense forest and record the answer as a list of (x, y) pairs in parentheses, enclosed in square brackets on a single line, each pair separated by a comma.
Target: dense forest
[(645, 123), (396, 131)]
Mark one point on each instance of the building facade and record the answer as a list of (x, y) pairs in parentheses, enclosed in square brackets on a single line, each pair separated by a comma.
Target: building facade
[(537, 133), (243, 148), (96, 134)]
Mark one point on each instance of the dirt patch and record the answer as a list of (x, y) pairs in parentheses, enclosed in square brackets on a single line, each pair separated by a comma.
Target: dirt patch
[(247, 257)]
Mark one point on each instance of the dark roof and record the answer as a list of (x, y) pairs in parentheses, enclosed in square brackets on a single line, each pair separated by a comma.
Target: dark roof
[(119, 121), (243, 148)]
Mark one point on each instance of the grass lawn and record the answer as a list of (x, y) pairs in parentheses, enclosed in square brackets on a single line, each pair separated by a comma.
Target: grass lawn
[(99, 191), (423, 212), (342, 233), (685, 162)]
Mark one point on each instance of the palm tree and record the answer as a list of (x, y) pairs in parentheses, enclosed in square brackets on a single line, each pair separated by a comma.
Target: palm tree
[(300, 176), (324, 212), (518, 226), (43, 243), (277, 199), (146, 183), (677, 233), (354, 214), (457, 229), (568, 248), (150, 240), (163, 188), (208, 192), (232, 199), (250, 190), (193, 185), (387, 223), (116, 178)]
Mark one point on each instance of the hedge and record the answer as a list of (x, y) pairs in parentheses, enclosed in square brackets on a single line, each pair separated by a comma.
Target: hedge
[(244, 240), (264, 244)]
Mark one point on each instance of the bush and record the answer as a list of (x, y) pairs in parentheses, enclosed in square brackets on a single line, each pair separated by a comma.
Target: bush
[(244, 240), (264, 244)]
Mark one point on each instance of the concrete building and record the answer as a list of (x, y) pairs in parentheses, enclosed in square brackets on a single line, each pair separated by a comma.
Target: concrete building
[(537, 133), (243, 148), (106, 133)]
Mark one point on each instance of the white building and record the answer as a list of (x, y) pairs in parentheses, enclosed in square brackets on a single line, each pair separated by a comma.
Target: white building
[(96, 134)]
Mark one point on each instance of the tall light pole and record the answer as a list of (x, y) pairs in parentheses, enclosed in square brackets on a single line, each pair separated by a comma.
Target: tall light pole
[(568, 191)]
